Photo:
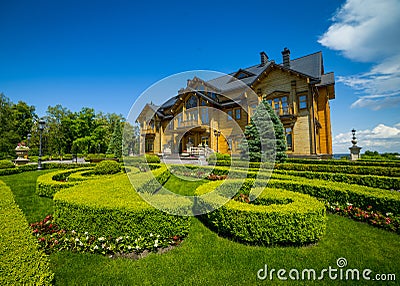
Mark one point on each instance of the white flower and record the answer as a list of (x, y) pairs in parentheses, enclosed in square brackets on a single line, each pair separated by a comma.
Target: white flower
[(86, 233), (95, 247), (151, 234), (156, 243), (73, 231), (129, 247), (80, 243), (137, 247), (101, 239), (76, 239)]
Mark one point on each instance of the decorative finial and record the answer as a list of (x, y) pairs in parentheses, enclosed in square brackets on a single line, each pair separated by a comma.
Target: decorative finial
[(354, 139)]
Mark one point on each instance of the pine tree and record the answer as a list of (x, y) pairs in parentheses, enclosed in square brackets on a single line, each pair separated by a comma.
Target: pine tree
[(115, 146), (264, 137)]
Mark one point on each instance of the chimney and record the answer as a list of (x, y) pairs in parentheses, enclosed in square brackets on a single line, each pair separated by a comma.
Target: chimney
[(264, 58), (286, 58)]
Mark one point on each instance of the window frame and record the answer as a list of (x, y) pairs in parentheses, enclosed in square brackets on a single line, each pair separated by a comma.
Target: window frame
[(303, 101), (230, 116), (236, 113), (289, 134)]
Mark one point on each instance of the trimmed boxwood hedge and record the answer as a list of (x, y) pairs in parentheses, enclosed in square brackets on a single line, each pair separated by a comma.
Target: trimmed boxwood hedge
[(22, 263), (362, 170), (49, 184), (4, 164), (112, 207), (364, 180), (345, 162), (342, 193), (301, 220), (45, 166)]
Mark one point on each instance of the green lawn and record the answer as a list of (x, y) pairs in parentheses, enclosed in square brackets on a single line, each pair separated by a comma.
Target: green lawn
[(183, 187), (23, 186), (204, 258)]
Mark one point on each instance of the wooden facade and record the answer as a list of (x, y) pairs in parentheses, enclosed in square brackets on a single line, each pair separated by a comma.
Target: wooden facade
[(298, 90)]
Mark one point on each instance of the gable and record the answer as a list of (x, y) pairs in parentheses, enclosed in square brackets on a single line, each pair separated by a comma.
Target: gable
[(147, 113)]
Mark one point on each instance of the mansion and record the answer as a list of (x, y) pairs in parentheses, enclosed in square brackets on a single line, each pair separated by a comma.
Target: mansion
[(214, 113)]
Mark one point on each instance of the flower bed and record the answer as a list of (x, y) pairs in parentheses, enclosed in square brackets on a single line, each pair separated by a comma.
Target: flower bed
[(22, 263), (301, 220), (386, 221), (51, 238)]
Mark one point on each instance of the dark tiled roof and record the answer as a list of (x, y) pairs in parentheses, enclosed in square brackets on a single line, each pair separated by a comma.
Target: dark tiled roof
[(310, 65), (225, 83), (170, 102), (327, 79)]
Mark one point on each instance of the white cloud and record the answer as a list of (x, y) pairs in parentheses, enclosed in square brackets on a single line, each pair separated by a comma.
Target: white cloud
[(368, 31), (381, 138)]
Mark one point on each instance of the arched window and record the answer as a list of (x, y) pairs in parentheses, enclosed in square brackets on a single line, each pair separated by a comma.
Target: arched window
[(191, 102)]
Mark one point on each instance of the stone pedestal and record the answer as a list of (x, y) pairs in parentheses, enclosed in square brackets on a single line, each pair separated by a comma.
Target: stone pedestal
[(354, 153), (22, 155)]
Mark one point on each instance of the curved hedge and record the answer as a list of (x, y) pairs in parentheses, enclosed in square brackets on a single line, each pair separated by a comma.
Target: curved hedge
[(45, 166), (111, 206), (364, 180), (362, 170), (301, 220), (49, 184), (22, 263), (345, 162), (342, 193)]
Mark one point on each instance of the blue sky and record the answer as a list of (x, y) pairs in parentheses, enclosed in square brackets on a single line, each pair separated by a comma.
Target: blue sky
[(104, 54)]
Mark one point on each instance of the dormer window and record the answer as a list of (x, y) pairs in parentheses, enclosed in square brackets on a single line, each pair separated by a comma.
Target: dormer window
[(191, 102), (242, 75)]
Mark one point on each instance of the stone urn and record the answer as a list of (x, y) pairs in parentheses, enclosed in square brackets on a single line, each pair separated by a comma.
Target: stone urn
[(22, 154)]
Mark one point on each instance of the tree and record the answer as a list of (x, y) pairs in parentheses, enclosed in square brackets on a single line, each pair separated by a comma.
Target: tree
[(16, 121), (264, 136), (115, 146), (130, 144)]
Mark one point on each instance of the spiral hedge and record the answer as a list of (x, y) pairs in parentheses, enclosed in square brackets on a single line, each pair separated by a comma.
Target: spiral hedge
[(280, 217), (49, 184), (111, 206)]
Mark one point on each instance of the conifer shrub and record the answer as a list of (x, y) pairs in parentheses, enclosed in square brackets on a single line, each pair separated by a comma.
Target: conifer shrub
[(265, 137)]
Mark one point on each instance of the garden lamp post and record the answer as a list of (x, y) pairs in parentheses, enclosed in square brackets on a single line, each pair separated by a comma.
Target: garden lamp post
[(28, 138), (217, 133), (42, 124)]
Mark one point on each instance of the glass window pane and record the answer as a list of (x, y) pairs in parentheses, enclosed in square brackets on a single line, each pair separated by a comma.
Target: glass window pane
[(237, 114), (230, 114)]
